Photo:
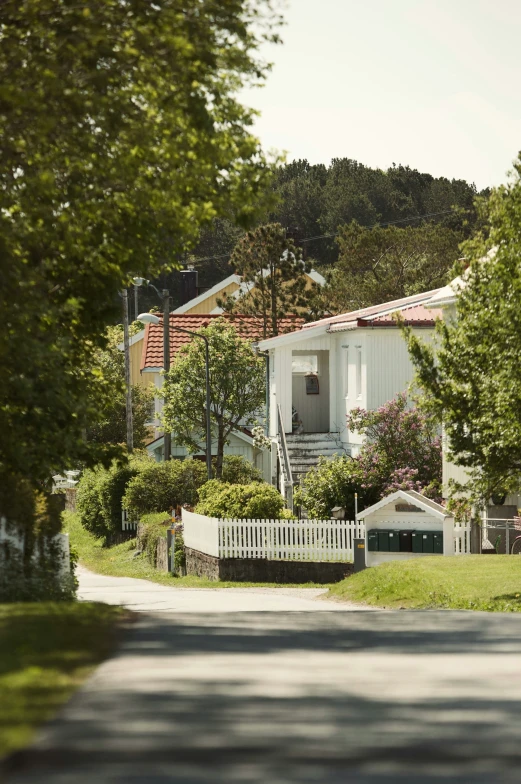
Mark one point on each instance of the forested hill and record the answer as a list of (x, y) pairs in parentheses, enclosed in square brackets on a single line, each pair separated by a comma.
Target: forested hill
[(315, 200)]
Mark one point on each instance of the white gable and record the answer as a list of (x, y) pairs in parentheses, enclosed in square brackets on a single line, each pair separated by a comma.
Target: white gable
[(408, 497)]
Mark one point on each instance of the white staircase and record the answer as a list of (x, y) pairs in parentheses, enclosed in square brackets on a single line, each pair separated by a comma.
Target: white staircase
[(304, 450)]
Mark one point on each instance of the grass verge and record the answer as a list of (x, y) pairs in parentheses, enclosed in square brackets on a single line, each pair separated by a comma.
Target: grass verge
[(120, 561), (46, 651), (470, 582)]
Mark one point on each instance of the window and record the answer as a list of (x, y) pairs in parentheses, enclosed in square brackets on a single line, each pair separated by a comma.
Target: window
[(346, 371), (305, 363), (359, 371)]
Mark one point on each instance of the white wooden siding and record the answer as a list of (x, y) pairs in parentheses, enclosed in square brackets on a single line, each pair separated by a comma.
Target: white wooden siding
[(281, 381)]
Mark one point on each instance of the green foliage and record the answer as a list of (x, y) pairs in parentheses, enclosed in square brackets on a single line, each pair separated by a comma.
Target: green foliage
[(274, 271), (164, 486), (111, 424), (149, 536), (402, 451), (317, 200), (333, 482), (258, 500), (382, 264), (100, 495), (237, 391), (122, 135), (239, 471), (470, 376)]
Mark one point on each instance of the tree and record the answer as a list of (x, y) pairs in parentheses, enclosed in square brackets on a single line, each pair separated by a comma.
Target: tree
[(237, 389), (274, 273), (471, 375), (402, 451), (383, 264), (111, 424), (318, 200), (121, 136)]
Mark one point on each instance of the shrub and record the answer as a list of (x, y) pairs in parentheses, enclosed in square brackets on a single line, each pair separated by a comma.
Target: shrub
[(257, 500), (100, 493), (239, 471), (165, 485), (333, 482)]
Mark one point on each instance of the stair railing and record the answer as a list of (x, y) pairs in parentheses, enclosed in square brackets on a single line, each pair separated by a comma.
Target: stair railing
[(286, 466)]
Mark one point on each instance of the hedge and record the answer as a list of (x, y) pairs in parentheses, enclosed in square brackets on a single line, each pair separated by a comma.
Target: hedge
[(164, 486), (257, 500)]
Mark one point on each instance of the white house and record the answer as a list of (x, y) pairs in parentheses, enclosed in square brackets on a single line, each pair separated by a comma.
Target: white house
[(329, 367)]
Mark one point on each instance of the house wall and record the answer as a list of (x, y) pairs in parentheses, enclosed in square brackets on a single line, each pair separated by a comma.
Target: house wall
[(313, 410), (136, 377), (208, 304), (281, 377), (373, 366)]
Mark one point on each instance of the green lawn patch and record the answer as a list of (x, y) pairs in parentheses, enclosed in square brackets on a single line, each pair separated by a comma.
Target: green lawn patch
[(468, 582), (120, 561), (47, 650)]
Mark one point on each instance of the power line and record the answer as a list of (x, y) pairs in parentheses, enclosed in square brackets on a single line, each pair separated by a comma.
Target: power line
[(336, 233)]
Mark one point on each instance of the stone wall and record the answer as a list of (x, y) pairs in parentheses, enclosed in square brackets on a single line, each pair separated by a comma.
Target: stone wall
[(70, 499), (262, 570), (161, 548)]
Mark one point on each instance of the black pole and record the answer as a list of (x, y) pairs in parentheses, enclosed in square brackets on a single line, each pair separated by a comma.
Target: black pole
[(208, 421), (128, 387)]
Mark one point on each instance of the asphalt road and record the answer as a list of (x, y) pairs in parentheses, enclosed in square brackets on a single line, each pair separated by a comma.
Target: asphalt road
[(294, 690)]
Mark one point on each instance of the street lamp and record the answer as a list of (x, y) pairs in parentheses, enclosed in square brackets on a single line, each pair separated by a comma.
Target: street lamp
[(151, 318)]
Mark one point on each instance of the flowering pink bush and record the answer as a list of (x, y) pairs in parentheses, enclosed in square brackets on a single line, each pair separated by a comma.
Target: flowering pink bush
[(402, 450)]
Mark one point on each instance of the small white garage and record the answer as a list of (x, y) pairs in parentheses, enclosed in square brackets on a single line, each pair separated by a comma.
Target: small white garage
[(406, 525)]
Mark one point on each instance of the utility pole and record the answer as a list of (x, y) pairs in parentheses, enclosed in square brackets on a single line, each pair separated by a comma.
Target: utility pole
[(166, 359), (126, 345)]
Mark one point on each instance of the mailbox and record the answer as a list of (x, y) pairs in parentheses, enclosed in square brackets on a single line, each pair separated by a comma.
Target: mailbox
[(417, 543), (406, 541), (427, 542), (437, 541), (372, 541), (394, 541), (383, 541)]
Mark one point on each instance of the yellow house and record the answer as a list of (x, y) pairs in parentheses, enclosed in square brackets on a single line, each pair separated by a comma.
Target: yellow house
[(203, 304)]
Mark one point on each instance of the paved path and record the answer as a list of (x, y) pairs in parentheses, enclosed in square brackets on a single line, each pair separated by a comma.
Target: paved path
[(282, 696), (145, 596)]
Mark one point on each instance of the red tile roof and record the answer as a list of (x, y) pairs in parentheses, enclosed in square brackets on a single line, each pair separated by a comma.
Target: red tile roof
[(416, 315), (248, 327), (375, 310)]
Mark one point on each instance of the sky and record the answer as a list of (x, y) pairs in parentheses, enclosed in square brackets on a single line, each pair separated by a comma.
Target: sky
[(432, 84)]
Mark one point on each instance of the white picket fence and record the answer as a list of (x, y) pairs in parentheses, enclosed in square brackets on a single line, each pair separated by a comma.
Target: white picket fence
[(461, 538), (297, 540)]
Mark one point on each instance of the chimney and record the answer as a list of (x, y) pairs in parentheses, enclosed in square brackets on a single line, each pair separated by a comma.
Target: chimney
[(189, 283)]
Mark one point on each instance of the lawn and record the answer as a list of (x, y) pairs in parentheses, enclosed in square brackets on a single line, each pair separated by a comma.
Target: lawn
[(46, 651), (470, 582), (119, 561)]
